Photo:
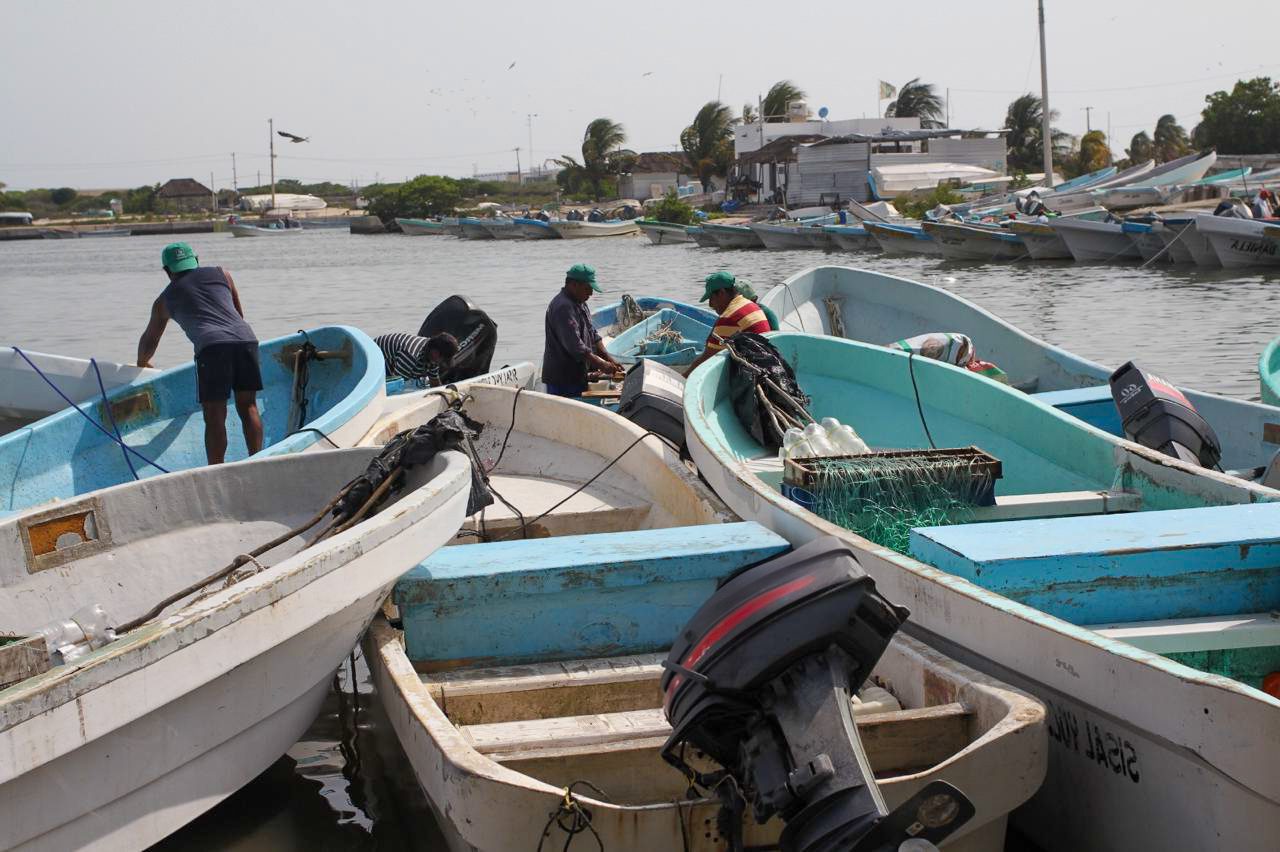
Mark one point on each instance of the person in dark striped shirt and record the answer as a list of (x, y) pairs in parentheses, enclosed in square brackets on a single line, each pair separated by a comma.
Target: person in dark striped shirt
[(420, 358)]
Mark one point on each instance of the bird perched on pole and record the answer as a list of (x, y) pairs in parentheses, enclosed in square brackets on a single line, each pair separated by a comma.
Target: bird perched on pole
[(293, 138)]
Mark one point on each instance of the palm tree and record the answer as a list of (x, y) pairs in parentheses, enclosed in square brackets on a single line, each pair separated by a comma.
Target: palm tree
[(1025, 123), (1170, 139), (780, 95), (1094, 152), (749, 115), (1140, 148), (919, 100), (602, 155), (708, 142)]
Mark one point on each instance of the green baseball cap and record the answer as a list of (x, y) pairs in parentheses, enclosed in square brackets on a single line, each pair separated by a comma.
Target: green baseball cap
[(178, 257), (584, 273), (717, 281)]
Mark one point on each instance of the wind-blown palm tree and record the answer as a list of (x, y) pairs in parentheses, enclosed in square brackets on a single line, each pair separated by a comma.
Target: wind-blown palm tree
[(1170, 139), (1094, 152), (917, 99), (708, 142), (1140, 148), (780, 94), (1025, 123), (749, 115), (602, 155)]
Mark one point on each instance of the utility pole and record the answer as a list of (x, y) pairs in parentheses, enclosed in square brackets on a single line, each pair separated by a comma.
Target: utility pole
[(719, 86), (235, 184), (271, 135), (1045, 133), (948, 107), (518, 179), (213, 192), (1088, 123), (529, 120)]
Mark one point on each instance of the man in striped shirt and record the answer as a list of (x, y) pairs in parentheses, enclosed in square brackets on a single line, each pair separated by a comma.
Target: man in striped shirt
[(414, 357), (735, 313)]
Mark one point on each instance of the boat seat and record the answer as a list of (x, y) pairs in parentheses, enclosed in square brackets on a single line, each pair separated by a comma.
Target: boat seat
[(1139, 566), (596, 595), (1189, 635), (1056, 504), (596, 508), (1094, 405)]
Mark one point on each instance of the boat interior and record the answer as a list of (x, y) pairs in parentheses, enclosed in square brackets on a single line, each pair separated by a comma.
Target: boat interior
[(1084, 528)]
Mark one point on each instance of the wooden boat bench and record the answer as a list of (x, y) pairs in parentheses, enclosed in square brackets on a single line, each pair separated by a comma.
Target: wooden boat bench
[(593, 595), (596, 508), (601, 719), (1143, 566), (1094, 405)]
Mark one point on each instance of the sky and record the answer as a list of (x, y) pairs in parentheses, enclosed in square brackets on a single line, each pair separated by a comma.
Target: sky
[(132, 92)]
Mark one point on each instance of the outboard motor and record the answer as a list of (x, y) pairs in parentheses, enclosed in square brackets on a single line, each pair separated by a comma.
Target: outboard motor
[(761, 681), (1157, 415), (477, 336)]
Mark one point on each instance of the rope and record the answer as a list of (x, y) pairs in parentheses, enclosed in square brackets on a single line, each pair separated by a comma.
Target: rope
[(332, 443), (919, 408), (507, 437), (1167, 246), (580, 817), (106, 406), (95, 423)]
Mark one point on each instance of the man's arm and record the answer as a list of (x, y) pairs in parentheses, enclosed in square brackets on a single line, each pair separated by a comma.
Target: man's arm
[(235, 294), (150, 339), (566, 326)]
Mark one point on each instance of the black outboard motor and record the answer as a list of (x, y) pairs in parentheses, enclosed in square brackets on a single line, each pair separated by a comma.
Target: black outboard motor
[(1157, 415), (761, 681), (477, 336)]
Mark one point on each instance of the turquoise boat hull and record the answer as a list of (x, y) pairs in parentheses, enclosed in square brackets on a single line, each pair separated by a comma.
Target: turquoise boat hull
[(1269, 373), (878, 308), (1147, 742), (159, 418), (605, 318), (632, 345)]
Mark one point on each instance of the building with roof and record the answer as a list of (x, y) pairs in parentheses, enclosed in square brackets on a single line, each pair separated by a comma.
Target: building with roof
[(654, 174), (184, 195)]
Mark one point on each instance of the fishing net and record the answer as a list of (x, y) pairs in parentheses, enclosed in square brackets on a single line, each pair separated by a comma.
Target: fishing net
[(882, 496), (629, 313), (663, 340), (766, 396)]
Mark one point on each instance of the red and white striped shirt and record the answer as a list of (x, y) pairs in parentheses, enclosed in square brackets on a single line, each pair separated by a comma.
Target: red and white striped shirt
[(740, 315)]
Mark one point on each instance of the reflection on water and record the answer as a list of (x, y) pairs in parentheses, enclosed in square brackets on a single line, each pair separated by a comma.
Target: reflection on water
[(344, 788)]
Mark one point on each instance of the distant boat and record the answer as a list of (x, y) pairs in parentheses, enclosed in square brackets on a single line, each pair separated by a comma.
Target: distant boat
[(536, 229), (578, 230), (663, 233), (1152, 188), (474, 229), (960, 241), (1082, 197), (733, 236), (241, 229), (503, 229), (902, 239), (1186, 242), (1240, 243), (890, 181), (1095, 242), (422, 227), (699, 235), (107, 232), (852, 237)]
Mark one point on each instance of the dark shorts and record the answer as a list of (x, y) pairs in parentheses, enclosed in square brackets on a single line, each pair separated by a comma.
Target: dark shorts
[(566, 390), (224, 367)]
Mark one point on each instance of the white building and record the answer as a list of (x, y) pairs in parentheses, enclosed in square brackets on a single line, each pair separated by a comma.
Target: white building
[(750, 137), (655, 173)]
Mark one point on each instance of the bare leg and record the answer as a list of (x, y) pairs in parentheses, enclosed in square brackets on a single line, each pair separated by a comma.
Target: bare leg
[(247, 408), (215, 430)]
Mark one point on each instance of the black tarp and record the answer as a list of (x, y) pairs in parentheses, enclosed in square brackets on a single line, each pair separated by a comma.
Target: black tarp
[(762, 362)]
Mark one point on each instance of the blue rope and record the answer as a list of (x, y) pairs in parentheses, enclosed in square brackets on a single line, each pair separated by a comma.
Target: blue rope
[(95, 423), (111, 416)]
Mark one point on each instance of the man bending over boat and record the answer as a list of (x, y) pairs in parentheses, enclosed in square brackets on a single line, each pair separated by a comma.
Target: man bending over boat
[(205, 304), (573, 346), (735, 311), (419, 358)]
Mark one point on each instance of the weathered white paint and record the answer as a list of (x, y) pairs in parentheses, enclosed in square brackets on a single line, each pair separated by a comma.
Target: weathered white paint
[(483, 805), (25, 397), (139, 737)]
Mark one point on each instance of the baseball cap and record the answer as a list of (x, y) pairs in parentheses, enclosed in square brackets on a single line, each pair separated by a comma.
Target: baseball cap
[(178, 257), (584, 273)]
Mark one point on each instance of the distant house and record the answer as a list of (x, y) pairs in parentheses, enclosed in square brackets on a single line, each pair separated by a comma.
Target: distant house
[(184, 195), (653, 174)]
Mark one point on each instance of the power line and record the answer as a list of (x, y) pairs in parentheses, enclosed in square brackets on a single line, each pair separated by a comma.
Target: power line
[(1236, 74)]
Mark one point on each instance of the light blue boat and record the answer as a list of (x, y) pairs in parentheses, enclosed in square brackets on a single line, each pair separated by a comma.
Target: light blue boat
[(1134, 594), (878, 308), (639, 342), (605, 318), (535, 229), (897, 239), (160, 420)]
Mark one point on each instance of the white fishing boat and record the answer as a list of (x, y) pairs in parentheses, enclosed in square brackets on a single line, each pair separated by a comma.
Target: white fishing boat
[(243, 229), (130, 738), (422, 227), (516, 687), (503, 229), (964, 242), (891, 181), (26, 397), (733, 236), (664, 233), (1157, 185), (1079, 199), (578, 230), (1181, 232), (473, 229), (779, 236), (1091, 241), (403, 393), (903, 239), (852, 237), (1239, 243), (1172, 238), (700, 236)]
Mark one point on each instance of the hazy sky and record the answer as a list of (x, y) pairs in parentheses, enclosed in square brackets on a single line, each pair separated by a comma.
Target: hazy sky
[(122, 93)]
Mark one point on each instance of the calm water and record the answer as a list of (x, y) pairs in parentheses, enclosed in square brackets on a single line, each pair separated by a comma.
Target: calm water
[(343, 788)]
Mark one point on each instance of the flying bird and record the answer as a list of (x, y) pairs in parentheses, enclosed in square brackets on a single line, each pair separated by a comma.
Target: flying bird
[(646, 74), (293, 138), (512, 65)]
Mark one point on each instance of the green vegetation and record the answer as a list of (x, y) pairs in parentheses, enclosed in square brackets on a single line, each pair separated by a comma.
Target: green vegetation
[(1244, 121), (324, 189), (916, 203), (1140, 148), (603, 159), (775, 102), (708, 142), (672, 209), (425, 195), (1025, 122), (1170, 139), (1094, 154), (917, 99)]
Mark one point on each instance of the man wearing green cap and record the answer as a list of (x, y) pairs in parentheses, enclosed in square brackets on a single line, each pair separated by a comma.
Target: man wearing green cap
[(573, 347), (203, 300), (735, 313)]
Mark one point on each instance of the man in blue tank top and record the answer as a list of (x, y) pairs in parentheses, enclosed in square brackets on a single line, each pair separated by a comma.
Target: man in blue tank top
[(204, 302)]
